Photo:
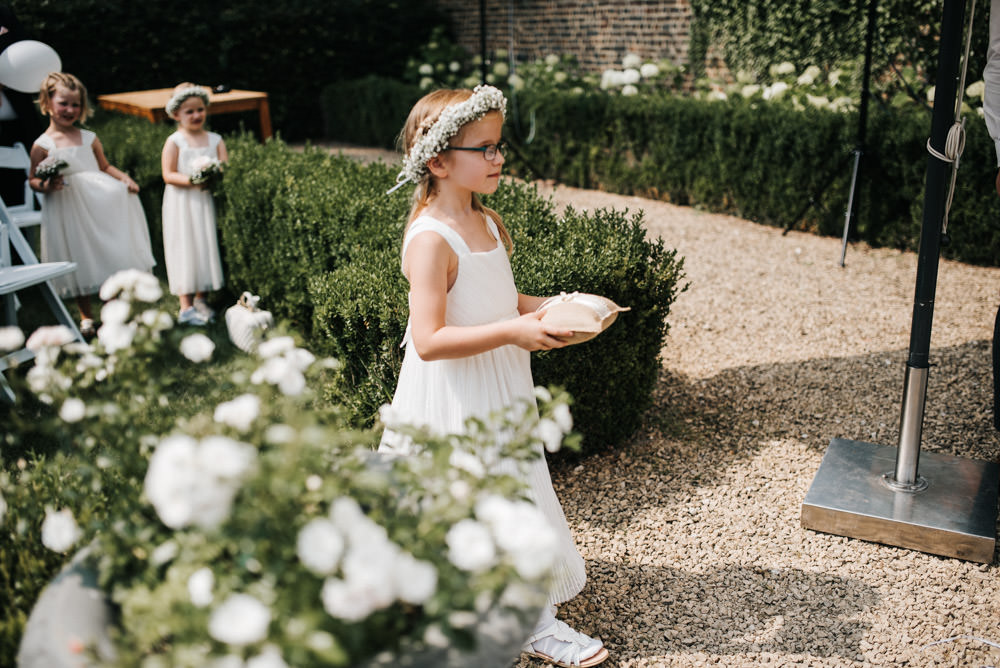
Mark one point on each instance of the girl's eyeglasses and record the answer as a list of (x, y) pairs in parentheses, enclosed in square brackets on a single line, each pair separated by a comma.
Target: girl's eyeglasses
[(489, 151)]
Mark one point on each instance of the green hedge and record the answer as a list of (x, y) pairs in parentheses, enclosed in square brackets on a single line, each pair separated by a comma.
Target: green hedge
[(317, 237), (375, 114), (765, 162)]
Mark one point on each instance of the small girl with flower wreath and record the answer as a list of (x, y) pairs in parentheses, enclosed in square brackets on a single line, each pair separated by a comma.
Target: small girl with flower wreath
[(91, 213), (470, 333), (190, 245)]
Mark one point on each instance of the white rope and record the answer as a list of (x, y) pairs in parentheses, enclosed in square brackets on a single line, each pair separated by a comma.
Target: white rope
[(955, 142)]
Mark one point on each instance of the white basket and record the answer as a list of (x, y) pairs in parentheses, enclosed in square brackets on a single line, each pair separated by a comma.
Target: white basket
[(247, 323)]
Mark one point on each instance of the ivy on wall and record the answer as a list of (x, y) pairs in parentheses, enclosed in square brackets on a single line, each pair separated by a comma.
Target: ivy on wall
[(755, 34)]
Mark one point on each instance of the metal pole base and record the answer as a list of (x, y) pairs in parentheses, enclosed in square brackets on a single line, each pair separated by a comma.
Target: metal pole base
[(954, 515)]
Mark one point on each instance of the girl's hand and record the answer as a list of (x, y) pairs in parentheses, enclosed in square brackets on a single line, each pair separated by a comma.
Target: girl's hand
[(531, 333), (132, 186), (52, 185)]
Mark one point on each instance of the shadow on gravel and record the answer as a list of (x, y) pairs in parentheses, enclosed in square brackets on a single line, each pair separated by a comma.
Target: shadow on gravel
[(751, 610), (698, 427)]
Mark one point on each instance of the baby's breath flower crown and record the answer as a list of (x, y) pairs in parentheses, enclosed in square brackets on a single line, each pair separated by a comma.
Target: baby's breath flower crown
[(434, 138), (177, 99)]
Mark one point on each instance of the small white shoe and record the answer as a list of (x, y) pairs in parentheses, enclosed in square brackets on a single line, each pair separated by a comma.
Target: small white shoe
[(562, 646)]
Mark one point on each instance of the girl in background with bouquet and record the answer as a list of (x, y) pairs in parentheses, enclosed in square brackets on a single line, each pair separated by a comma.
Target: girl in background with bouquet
[(192, 162), (91, 214), (470, 331)]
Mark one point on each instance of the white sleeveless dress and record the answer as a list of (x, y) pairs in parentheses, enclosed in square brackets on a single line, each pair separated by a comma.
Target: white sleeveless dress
[(442, 394), (190, 244), (93, 220)]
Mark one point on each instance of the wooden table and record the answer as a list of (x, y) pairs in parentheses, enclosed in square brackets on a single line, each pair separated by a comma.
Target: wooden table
[(150, 104)]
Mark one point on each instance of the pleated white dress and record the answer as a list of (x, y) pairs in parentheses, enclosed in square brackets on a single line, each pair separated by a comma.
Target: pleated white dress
[(442, 394), (93, 220), (190, 244)]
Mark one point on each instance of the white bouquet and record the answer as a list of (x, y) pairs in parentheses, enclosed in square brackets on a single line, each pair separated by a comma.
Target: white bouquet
[(50, 168), (206, 171)]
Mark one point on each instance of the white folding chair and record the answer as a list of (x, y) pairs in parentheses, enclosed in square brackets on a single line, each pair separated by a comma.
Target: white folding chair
[(14, 277), (16, 157)]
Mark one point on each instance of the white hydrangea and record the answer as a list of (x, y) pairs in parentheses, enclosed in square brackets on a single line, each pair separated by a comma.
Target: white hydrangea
[(629, 90), (631, 76), (551, 59), (976, 89), (196, 347), (11, 338), (59, 530), (522, 531), (808, 76), (775, 90), (781, 69), (275, 346), (238, 413), (3, 508), (750, 90), (52, 336), (649, 70), (240, 620), (116, 336), (631, 60)]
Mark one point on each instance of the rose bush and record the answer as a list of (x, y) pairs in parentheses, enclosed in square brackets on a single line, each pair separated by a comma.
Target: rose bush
[(261, 531)]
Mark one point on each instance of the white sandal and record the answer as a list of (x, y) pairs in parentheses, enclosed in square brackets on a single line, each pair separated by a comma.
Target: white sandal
[(572, 649)]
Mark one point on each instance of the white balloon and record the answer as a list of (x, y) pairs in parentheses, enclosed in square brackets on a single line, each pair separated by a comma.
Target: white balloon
[(24, 64)]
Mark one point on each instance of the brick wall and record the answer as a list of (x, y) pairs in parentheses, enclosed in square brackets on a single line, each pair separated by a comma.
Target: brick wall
[(598, 32)]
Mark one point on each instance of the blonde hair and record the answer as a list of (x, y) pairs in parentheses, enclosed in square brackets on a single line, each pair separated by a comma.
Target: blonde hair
[(53, 80), (424, 114)]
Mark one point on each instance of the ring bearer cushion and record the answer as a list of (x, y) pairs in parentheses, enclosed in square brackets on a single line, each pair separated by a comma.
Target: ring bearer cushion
[(586, 314)]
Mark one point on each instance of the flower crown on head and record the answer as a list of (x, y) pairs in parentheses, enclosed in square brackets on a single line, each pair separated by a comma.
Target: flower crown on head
[(433, 139), (177, 99)]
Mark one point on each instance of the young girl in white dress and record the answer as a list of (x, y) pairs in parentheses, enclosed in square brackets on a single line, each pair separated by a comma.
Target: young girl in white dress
[(91, 214), (190, 246), (470, 332)]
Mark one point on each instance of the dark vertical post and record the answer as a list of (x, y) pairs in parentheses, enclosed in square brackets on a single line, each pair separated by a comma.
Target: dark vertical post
[(482, 42), (915, 383)]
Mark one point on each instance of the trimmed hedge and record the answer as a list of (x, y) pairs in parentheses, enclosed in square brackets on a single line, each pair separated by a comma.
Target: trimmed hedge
[(765, 162), (375, 114), (317, 237)]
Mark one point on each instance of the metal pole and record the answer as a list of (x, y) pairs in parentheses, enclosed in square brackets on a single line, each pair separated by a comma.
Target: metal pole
[(859, 148), (482, 42), (917, 365)]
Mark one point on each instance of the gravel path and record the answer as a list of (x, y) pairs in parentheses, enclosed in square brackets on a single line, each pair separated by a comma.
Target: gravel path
[(691, 531)]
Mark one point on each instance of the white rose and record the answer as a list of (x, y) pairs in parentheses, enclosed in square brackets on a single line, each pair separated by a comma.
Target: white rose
[(11, 338), (550, 434), (172, 480), (525, 534), (196, 347), (300, 358), (130, 283), (73, 410), (366, 568), (276, 346), (59, 530), (115, 312), (240, 620), (201, 162), (50, 336), (343, 601), (115, 337), (238, 413), (200, 586), (563, 418), (270, 657), (415, 579), (470, 546), (319, 546)]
